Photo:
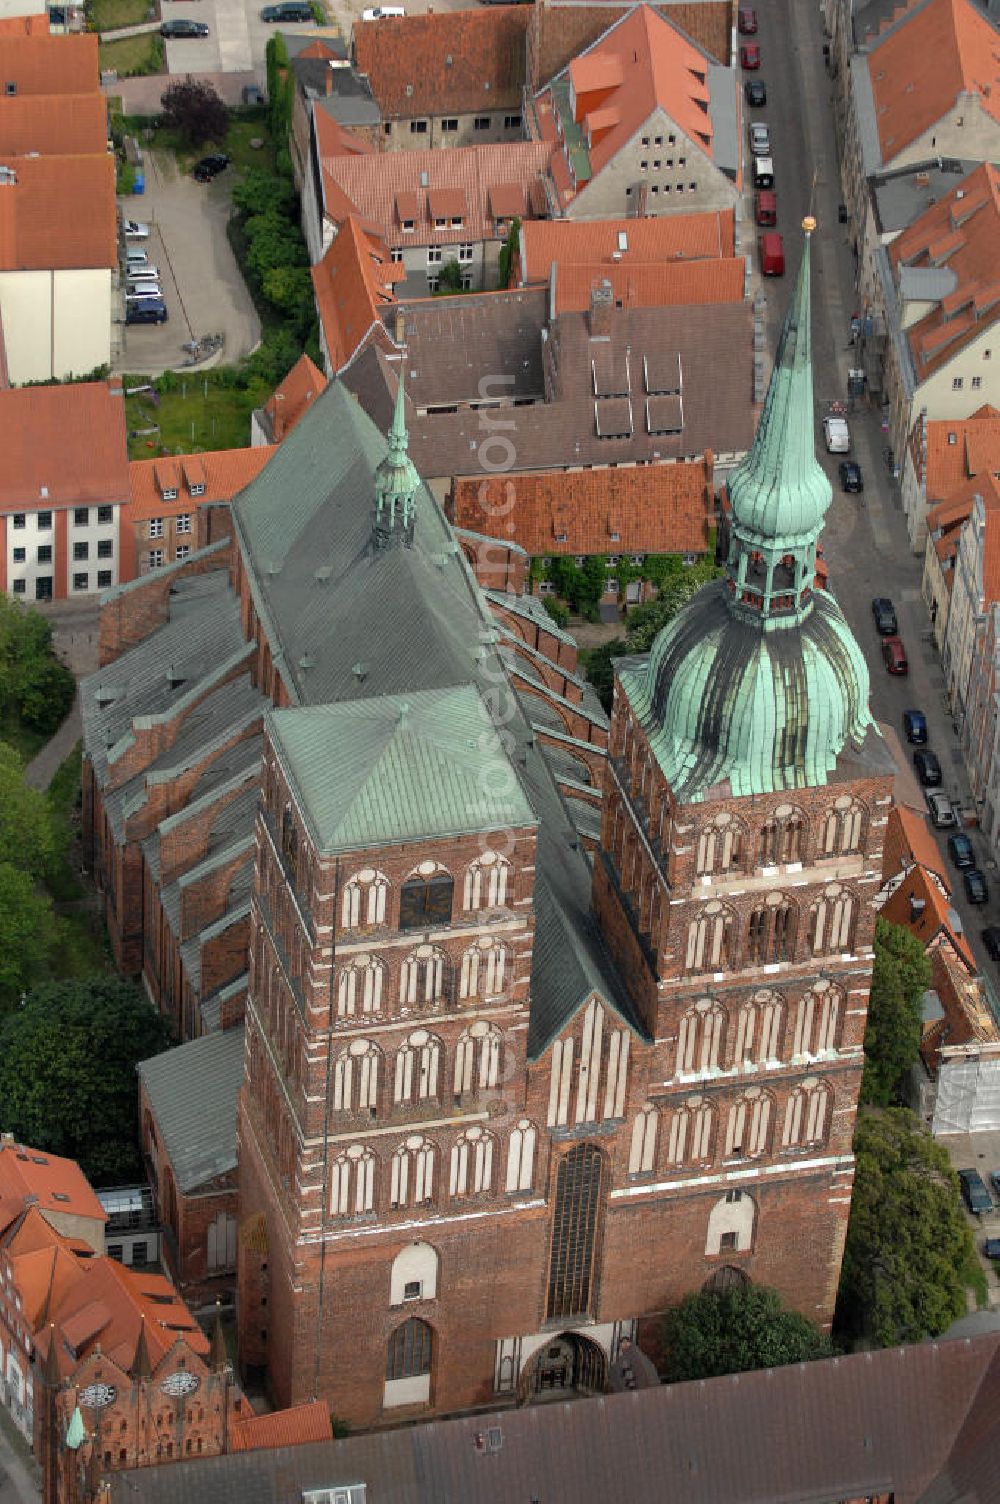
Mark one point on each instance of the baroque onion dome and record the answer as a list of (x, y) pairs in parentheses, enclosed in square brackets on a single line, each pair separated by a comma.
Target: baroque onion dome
[(758, 682)]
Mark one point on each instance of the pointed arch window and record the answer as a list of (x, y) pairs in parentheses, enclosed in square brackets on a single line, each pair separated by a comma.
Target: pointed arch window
[(363, 902), (360, 987), (411, 1178), (783, 837), (487, 881), (410, 1350), (290, 844), (355, 1078), (352, 1183), (709, 939), (758, 1027), (484, 970), (748, 1124), (472, 1158), (560, 1078), (417, 1068), (771, 932), (843, 826), (521, 1156), (477, 1058), (832, 921), (816, 1020), (699, 1040), (720, 846), (426, 897), (574, 1232), (423, 977), (690, 1140), (807, 1115), (642, 1151)]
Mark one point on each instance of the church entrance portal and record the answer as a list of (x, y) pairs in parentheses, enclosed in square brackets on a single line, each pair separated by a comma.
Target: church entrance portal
[(568, 1364)]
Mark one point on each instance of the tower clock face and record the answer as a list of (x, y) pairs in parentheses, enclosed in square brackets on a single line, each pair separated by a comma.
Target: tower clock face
[(96, 1396), (179, 1383)]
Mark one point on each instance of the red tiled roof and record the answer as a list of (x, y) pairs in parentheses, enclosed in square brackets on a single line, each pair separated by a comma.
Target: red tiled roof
[(292, 396), (282, 1428), (58, 1185), (908, 839), (670, 237), (353, 282), (25, 26), (372, 187), (560, 33), (40, 64), (81, 232), (65, 124), (68, 441), (921, 65), (222, 471), (335, 140), (455, 61), (651, 508), (651, 286), (956, 449), (966, 1012), (108, 1305), (932, 922), (972, 212)]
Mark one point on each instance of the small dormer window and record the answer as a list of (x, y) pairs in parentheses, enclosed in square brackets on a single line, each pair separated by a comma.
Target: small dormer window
[(407, 226), (10, 87), (456, 221), (440, 224), (169, 493), (953, 438)]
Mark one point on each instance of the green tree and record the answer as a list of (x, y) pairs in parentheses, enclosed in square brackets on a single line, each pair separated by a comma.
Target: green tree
[(676, 587), (735, 1330), (598, 665), (28, 839), (274, 241), (195, 110), (45, 690), (507, 253), (260, 192), (907, 1240), (289, 288), (449, 278), (27, 926), (67, 1071), (900, 977)]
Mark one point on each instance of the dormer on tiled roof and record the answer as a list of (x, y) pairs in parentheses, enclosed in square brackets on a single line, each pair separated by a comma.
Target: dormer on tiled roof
[(448, 206), (406, 210), (168, 480), (195, 478)]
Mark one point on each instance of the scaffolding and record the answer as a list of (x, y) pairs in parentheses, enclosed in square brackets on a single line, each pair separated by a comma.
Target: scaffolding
[(968, 1089)]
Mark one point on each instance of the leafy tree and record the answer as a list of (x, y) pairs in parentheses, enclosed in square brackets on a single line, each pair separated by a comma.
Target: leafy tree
[(289, 288), (746, 1327), (67, 1071), (598, 667), (675, 590), (272, 360), (260, 192), (45, 690), (27, 928), (557, 610), (27, 833), (274, 241), (507, 252), (195, 110), (907, 1240), (449, 278), (900, 977)]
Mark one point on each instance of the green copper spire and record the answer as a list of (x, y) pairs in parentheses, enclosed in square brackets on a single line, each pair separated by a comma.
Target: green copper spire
[(396, 479), (757, 685)]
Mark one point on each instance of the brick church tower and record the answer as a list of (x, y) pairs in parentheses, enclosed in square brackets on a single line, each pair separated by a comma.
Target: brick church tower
[(505, 1102)]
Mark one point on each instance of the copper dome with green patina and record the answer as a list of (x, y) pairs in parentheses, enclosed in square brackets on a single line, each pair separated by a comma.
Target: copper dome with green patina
[(758, 682)]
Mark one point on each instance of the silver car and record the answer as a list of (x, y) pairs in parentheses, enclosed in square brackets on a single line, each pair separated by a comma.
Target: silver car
[(760, 139), (941, 808)]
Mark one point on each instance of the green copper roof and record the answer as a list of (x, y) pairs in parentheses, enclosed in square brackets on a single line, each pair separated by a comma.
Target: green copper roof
[(396, 478), (779, 492), (375, 772)]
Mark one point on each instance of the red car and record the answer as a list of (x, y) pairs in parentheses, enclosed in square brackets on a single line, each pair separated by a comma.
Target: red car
[(750, 57), (747, 20), (894, 656)]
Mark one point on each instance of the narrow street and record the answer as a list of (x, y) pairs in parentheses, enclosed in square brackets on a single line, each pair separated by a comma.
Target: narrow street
[(865, 542)]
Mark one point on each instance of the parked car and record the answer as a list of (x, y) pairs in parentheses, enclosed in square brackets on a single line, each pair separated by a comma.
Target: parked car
[(146, 311), (178, 29), (991, 1248), (138, 292), (974, 1193), (133, 229), (765, 207), (915, 727), (750, 57), (837, 435), (941, 810), (771, 251), (884, 613), (763, 172), (894, 655), (136, 256), (928, 769), (991, 944), (288, 10), (760, 138), (977, 889), (755, 91), (378, 12), (746, 19), (851, 479), (144, 273), (995, 1182), (209, 167), (960, 850)]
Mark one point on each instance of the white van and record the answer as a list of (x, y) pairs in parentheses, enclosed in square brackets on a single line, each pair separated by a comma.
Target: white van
[(837, 435), (763, 172), (378, 12), (136, 256)]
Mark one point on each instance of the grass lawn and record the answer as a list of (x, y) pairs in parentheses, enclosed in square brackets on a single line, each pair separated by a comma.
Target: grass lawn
[(81, 948), (132, 56), (246, 126), (199, 415), (108, 15), (974, 1278)]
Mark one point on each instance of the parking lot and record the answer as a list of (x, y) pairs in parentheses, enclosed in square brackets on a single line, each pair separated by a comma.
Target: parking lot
[(201, 283), (980, 1151)]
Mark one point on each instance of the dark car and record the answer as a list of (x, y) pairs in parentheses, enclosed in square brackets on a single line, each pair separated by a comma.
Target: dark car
[(894, 656), (990, 937), (851, 479), (884, 613), (756, 92), (746, 19), (210, 167), (183, 29), (995, 1182), (146, 311), (961, 852), (288, 10), (750, 57), (991, 1248), (974, 1193), (928, 769), (915, 727), (976, 888)]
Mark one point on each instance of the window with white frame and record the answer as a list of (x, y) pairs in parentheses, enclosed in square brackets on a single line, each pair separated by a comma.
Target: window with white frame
[(155, 527), (560, 1078), (521, 1156), (472, 1163), (465, 253), (359, 987), (709, 939), (434, 255), (154, 558), (477, 1058), (396, 254), (484, 969), (364, 899), (486, 882), (816, 1019), (183, 522), (355, 1078), (422, 977), (642, 1150), (411, 1178), (182, 550), (699, 1038), (418, 1063), (433, 283), (748, 1123), (807, 1114), (352, 1182)]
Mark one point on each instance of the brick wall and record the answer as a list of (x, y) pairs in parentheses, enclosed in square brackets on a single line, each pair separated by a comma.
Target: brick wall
[(131, 615)]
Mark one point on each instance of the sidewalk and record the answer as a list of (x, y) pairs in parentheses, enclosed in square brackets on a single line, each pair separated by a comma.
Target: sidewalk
[(19, 1478), (45, 765)]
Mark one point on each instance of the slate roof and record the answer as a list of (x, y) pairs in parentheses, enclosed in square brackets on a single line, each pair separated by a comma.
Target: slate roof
[(922, 1422), (453, 62), (397, 768), (192, 1093)]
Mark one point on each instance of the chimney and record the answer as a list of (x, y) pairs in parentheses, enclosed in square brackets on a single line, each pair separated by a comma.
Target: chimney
[(328, 81), (601, 304), (400, 328)]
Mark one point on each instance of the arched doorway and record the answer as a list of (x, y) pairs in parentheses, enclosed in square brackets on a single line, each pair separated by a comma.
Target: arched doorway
[(725, 1279), (568, 1364)]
